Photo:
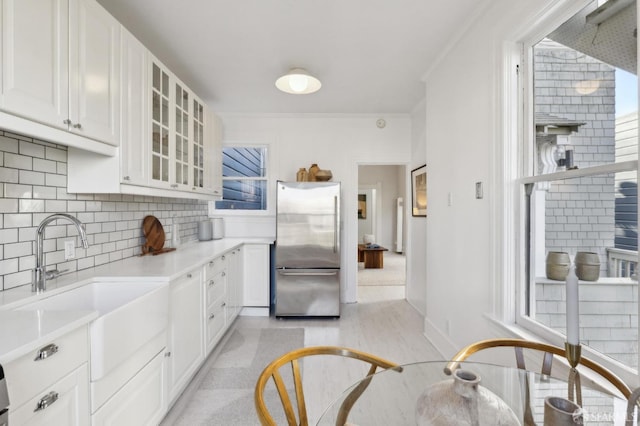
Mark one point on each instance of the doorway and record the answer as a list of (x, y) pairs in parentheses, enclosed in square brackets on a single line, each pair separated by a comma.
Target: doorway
[(381, 226)]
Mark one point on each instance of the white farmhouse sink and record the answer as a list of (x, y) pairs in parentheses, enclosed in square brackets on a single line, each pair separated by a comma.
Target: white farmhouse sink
[(130, 314)]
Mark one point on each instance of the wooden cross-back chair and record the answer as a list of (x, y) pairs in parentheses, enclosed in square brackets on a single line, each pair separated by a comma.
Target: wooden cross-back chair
[(272, 371), (549, 352)]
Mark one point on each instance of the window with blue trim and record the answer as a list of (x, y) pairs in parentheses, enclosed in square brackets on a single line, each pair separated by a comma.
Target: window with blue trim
[(244, 178)]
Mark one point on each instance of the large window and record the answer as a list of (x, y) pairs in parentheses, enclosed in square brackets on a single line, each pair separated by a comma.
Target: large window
[(244, 178), (580, 179)]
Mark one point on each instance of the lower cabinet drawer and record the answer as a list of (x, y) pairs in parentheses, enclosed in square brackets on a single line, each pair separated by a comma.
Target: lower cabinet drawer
[(215, 324), (30, 375), (142, 401), (65, 402)]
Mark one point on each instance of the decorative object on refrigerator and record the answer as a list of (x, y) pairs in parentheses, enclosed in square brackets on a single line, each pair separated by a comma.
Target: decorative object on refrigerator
[(557, 265), (302, 175), (587, 266), (324, 175), (218, 228), (307, 249), (462, 401), (205, 230), (312, 172)]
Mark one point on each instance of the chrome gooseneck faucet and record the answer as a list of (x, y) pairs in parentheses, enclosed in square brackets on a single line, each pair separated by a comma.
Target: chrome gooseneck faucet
[(40, 275)]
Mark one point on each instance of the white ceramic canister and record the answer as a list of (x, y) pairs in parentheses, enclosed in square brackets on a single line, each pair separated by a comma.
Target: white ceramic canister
[(218, 228), (205, 230)]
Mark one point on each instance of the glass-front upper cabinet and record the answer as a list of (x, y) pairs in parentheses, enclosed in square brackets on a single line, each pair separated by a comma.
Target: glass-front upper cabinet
[(198, 145), (182, 136), (180, 139), (160, 154)]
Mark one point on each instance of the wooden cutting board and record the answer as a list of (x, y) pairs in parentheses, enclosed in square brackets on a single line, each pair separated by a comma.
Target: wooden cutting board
[(154, 235)]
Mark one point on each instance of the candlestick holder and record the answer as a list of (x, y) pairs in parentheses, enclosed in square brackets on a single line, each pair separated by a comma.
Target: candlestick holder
[(573, 353)]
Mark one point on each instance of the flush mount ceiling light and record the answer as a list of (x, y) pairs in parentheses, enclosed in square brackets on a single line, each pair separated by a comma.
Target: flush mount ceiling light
[(298, 81)]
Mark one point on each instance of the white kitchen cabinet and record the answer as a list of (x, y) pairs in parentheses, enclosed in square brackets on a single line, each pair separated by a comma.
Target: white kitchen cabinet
[(215, 283), (94, 57), (185, 351), (213, 154), (181, 142), (60, 68), (134, 151), (256, 270), (51, 385), (142, 401), (234, 284), (62, 403)]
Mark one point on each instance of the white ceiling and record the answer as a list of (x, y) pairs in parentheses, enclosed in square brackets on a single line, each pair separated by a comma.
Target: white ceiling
[(369, 54)]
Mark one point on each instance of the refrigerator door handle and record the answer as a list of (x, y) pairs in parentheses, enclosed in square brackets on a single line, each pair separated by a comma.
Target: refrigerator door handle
[(298, 274), (335, 224)]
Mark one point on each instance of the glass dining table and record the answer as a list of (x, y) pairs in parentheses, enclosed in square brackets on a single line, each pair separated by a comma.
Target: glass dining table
[(392, 396)]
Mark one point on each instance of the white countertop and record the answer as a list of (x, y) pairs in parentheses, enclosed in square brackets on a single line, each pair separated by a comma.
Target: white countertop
[(24, 331)]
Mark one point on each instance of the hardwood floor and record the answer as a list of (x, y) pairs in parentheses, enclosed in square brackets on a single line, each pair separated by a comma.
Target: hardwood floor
[(382, 323)]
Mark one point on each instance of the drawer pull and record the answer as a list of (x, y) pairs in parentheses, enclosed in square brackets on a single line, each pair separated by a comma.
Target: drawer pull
[(223, 304), (212, 316), (46, 401), (46, 352), (167, 354), (211, 282)]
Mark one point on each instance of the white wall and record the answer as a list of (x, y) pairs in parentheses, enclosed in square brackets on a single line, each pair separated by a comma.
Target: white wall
[(416, 291), (464, 145), (335, 142)]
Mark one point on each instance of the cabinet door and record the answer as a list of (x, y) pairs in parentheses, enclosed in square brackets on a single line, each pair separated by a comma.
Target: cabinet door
[(234, 285), (134, 150), (34, 64), (94, 58), (256, 266), (160, 125), (65, 402), (213, 154), (186, 331), (198, 146), (182, 114)]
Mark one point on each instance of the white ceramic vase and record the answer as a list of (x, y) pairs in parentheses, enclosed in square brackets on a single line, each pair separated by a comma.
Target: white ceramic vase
[(462, 401)]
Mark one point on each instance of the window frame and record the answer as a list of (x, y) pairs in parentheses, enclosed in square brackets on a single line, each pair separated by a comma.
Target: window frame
[(270, 210), (519, 169)]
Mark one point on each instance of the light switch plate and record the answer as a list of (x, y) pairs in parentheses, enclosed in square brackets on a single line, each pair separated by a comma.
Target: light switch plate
[(69, 250), (479, 193)]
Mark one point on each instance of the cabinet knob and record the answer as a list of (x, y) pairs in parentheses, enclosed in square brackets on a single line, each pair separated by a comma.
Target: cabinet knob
[(189, 275), (211, 282), (67, 121), (77, 126), (224, 274), (223, 304), (167, 354), (46, 352), (223, 257), (46, 401), (127, 178), (212, 316)]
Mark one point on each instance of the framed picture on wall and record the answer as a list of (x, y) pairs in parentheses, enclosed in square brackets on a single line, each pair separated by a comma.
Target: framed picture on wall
[(362, 206), (419, 191)]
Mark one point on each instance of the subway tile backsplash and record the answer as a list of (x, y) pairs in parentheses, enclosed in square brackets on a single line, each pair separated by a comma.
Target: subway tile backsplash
[(33, 185)]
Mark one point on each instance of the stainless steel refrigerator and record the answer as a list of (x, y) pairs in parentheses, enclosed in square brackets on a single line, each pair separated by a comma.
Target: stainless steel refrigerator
[(308, 249)]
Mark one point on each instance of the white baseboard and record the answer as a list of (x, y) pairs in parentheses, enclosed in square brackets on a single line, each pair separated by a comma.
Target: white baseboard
[(439, 340), (250, 311)]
